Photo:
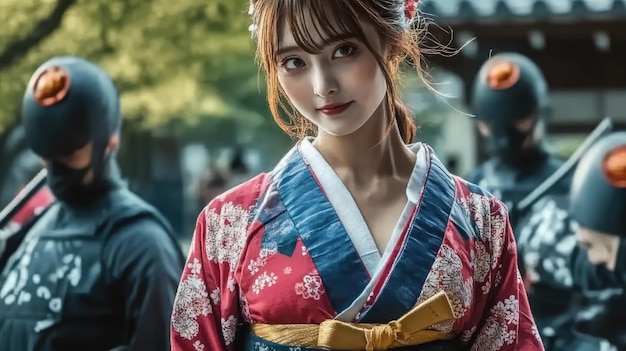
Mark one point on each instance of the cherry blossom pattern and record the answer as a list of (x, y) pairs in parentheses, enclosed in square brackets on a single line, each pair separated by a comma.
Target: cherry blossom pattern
[(192, 301), (447, 274), (500, 327), (263, 281), (311, 287), (226, 235), (229, 329), (481, 261)]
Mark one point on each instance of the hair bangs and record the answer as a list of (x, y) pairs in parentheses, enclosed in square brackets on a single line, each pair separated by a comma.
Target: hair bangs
[(315, 23)]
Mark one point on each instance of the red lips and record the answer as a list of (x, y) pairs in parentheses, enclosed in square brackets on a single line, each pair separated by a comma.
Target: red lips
[(334, 109)]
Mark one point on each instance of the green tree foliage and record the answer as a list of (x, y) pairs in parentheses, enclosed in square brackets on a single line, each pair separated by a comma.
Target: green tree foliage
[(176, 63)]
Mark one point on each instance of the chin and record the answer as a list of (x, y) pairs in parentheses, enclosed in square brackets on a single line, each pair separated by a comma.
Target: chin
[(610, 266), (338, 129), (340, 132)]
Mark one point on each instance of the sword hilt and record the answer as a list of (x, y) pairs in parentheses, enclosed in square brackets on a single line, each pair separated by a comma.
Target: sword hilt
[(22, 197)]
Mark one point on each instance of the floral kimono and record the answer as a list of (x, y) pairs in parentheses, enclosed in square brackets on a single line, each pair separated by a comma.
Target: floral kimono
[(290, 247)]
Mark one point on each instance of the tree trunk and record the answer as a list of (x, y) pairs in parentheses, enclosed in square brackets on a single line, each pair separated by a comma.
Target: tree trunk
[(44, 28)]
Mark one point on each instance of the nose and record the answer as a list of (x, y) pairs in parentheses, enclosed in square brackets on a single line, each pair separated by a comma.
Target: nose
[(324, 81)]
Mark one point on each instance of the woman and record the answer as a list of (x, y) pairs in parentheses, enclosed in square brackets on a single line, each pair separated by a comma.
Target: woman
[(356, 226)]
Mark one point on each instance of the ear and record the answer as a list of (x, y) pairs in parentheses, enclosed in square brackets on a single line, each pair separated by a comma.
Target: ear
[(114, 143)]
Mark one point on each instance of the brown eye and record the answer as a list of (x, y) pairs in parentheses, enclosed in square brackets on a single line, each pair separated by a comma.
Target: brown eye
[(344, 51), (292, 63)]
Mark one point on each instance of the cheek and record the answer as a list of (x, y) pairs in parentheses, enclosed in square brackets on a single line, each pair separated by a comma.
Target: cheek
[(597, 255), (296, 89), (366, 77)]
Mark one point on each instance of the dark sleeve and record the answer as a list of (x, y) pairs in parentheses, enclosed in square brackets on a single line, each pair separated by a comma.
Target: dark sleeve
[(144, 267)]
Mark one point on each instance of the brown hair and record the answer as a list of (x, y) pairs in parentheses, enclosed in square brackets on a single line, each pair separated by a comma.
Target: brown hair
[(335, 18)]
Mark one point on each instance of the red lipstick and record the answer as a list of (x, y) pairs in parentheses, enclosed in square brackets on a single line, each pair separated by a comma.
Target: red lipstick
[(334, 109)]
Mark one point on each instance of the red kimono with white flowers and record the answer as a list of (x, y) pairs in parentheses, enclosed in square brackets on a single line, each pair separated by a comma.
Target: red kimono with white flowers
[(291, 246)]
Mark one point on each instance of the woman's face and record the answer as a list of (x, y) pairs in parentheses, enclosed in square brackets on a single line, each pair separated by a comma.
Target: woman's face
[(337, 89)]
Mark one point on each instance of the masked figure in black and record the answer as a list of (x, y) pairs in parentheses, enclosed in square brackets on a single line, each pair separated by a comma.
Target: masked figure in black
[(99, 269), (510, 101), (598, 205)]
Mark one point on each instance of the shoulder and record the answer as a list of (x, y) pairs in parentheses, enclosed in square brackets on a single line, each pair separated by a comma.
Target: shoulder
[(126, 209), (124, 199), (484, 218), (234, 205), (481, 207), (133, 221), (468, 188), (142, 234), (247, 191), (245, 195), (222, 226), (144, 246), (474, 201)]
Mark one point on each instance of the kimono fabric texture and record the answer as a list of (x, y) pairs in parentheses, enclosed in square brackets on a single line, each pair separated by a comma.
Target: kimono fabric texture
[(290, 247)]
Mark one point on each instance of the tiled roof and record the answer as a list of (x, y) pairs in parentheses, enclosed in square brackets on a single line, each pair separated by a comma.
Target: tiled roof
[(455, 11)]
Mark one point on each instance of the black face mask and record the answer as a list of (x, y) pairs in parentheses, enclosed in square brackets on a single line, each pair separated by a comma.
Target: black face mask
[(67, 183), (620, 262), (507, 145)]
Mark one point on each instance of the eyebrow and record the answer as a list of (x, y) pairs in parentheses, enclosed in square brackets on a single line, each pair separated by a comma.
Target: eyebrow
[(341, 37)]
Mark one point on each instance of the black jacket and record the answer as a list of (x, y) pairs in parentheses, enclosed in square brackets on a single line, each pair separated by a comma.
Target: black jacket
[(94, 278)]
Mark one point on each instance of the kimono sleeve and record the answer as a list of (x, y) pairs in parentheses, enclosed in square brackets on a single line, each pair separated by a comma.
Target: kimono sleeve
[(507, 323), (206, 307)]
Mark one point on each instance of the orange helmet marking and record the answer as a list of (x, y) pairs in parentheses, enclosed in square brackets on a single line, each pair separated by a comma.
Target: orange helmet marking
[(51, 86), (502, 75), (614, 167)]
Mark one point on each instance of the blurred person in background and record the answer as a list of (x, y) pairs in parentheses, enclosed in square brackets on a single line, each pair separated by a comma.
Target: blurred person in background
[(238, 170), (211, 184), (598, 205), (511, 103), (99, 269)]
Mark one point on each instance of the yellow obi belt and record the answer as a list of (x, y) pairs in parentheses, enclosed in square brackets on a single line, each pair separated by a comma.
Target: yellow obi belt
[(408, 330)]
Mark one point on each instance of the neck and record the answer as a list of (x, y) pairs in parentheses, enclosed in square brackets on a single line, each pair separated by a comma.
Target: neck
[(110, 177), (526, 160), (368, 154)]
